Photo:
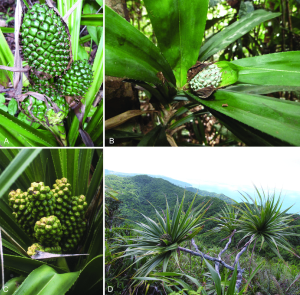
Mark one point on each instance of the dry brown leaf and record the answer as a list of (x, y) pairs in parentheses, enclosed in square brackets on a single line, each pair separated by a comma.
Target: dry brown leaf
[(120, 119)]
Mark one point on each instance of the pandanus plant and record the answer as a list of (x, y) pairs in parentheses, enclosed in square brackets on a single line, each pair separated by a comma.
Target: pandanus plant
[(180, 69), (59, 76), (160, 240), (33, 223)]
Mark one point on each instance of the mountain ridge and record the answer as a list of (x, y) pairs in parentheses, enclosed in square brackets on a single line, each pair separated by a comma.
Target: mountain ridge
[(172, 180), (142, 193)]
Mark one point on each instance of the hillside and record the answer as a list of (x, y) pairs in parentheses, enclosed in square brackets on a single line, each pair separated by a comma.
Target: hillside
[(174, 181), (137, 192), (210, 194)]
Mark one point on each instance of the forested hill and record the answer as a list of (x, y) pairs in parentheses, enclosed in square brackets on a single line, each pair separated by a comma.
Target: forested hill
[(172, 180), (209, 194), (136, 192)]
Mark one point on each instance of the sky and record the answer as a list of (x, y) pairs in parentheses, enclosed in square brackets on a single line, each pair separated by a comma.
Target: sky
[(234, 169)]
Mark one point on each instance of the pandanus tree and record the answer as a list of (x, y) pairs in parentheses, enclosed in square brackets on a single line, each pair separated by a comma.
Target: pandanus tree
[(179, 75), (160, 240)]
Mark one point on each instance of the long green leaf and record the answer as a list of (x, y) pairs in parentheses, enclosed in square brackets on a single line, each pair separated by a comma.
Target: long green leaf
[(6, 59), (96, 180), (16, 168), (215, 277), (84, 166), (156, 137), (22, 265), (271, 69), (22, 130), (129, 54), (95, 126), (96, 245), (46, 281), (12, 229), (92, 20), (277, 118), (234, 31), (250, 278), (261, 89), (179, 28), (9, 139), (73, 168), (249, 135), (91, 94), (231, 287), (89, 276)]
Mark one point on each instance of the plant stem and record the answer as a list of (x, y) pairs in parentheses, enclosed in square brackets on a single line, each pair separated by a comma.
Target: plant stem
[(60, 132), (239, 269), (217, 264), (218, 260), (199, 253)]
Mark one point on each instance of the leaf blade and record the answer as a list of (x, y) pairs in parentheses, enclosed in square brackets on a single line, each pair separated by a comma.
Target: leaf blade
[(234, 31), (124, 55), (172, 21)]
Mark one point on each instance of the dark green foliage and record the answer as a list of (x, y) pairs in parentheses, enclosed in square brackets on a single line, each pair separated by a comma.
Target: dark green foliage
[(136, 193), (172, 180), (210, 194)]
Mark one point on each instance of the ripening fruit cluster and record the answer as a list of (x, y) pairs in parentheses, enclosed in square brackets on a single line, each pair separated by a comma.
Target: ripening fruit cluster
[(51, 217), (43, 112), (47, 50), (211, 76)]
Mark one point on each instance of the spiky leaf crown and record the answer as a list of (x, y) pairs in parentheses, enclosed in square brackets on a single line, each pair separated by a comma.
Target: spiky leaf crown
[(211, 76), (165, 240)]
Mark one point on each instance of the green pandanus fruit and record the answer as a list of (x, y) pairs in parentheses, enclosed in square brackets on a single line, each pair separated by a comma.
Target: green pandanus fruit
[(19, 202), (211, 76), (51, 217), (77, 80), (45, 40), (70, 210), (50, 113), (74, 223), (48, 230)]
